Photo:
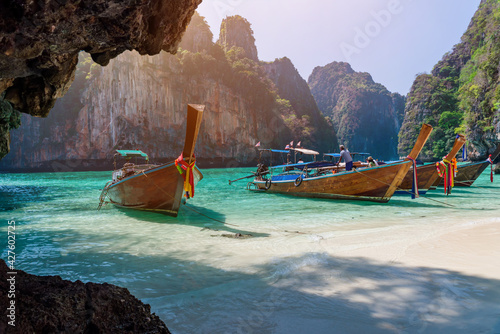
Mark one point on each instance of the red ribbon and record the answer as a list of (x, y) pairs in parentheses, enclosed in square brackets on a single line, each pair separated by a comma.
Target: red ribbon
[(448, 174), (187, 173), (491, 165)]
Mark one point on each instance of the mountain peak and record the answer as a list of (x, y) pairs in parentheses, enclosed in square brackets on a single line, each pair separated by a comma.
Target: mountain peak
[(236, 31)]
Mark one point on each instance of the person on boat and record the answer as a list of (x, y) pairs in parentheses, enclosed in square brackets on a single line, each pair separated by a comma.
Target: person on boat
[(371, 162), (344, 154), (300, 161)]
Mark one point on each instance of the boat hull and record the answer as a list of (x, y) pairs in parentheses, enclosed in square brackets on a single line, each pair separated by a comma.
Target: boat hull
[(468, 173), (426, 176), (375, 184), (157, 189)]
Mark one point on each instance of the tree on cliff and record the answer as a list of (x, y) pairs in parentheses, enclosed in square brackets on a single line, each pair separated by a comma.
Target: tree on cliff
[(462, 94)]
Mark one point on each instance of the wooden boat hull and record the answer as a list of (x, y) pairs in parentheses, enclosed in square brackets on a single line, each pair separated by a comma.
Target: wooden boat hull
[(468, 173), (371, 184), (157, 189), (426, 176)]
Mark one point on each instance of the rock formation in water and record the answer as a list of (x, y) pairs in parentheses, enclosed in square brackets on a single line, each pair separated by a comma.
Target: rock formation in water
[(40, 42), (365, 115), (462, 94), (49, 304), (139, 102)]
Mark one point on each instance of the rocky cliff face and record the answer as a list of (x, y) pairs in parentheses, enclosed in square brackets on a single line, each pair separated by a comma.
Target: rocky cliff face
[(198, 36), (139, 102), (40, 42), (365, 115), (462, 94), (235, 31), (304, 118)]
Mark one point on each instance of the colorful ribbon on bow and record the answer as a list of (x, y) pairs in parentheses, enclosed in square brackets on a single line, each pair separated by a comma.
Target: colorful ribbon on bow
[(187, 173), (448, 174), (414, 185), (491, 165)]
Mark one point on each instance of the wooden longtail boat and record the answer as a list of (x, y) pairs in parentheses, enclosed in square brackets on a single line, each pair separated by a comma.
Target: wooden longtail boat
[(158, 187), (468, 173), (316, 180), (428, 174)]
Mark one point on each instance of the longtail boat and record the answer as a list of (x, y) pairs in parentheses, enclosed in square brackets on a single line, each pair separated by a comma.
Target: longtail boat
[(321, 179), (427, 174), (469, 172), (157, 187)]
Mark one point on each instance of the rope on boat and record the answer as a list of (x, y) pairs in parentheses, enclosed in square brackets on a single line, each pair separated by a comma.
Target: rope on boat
[(104, 194), (409, 192)]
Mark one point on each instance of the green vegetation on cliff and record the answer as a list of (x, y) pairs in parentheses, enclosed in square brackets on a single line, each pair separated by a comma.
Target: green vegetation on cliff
[(298, 107), (135, 102), (274, 89), (462, 94), (365, 115)]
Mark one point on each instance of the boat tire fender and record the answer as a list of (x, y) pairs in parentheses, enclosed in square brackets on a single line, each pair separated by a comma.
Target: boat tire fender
[(298, 181), (268, 184)]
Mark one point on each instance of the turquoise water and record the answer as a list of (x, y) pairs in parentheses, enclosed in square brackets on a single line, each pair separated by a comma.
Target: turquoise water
[(198, 278)]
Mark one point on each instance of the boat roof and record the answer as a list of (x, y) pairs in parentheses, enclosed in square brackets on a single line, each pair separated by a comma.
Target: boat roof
[(273, 150), (337, 155), (305, 151), (301, 165), (131, 153)]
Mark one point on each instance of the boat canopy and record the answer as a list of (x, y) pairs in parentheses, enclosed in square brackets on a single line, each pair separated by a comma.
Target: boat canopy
[(306, 151), (131, 153), (335, 155), (273, 150), (301, 165)]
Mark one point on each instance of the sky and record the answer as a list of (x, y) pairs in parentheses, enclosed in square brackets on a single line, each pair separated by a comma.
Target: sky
[(393, 40)]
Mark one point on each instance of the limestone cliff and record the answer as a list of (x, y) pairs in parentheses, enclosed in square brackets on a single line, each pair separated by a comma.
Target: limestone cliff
[(198, 36), (303, 117), (365, 115), (462, 94), (40, 42), (140, 102), (235, 31)]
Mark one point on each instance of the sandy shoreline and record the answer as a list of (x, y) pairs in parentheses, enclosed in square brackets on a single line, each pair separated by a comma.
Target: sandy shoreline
[(416, 280), (437, 277)]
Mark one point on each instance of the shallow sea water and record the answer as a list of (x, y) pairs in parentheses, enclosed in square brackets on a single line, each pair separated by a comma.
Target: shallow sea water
[(199, 279)]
